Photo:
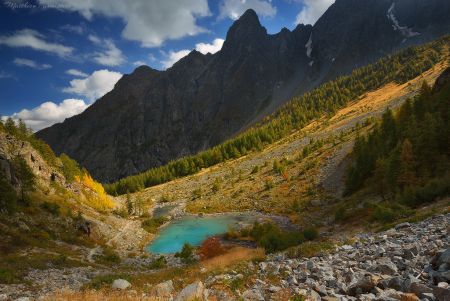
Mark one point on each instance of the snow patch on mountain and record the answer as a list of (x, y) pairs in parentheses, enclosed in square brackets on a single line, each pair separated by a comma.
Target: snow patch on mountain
[(309, 46), (404, 30)]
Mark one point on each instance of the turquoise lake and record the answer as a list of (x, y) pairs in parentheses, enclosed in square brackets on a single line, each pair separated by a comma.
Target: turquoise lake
[(193, 230)]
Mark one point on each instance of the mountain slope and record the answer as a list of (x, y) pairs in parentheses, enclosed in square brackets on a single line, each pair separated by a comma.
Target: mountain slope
[(152, 117)]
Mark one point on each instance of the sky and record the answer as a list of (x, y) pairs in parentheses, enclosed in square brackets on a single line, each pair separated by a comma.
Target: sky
[(58, 56)]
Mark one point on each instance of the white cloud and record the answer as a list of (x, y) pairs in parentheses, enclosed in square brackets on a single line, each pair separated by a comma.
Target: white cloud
[(4, 74), (95, 85), (35, 40), (78, 29), (312, 11), (31, 64), (50, 113), (112, 56), (233, 9), (148, 22), (94, 39), (76, 73), (174, 56), (139, 63), (210, 48)]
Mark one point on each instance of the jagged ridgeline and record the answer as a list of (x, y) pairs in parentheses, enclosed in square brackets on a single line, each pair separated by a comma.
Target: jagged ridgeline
[(406, 157), (296, 114)]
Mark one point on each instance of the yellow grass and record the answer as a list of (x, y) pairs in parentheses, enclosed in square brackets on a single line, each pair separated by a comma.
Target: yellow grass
[(99, 296), (233, 256), (382, 97)]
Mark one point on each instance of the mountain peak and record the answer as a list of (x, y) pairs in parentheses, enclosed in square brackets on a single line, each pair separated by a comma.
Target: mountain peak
[(249, 16), (246, 29)]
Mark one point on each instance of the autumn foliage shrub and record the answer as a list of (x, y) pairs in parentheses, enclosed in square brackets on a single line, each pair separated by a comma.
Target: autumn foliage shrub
[(95, 194), (210, 248)]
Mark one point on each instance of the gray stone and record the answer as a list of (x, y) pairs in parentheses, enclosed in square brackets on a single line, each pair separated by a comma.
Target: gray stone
[(252, 295), (390, 294), (321, 289), (441, 294), (395, 283), (121, 284), (419, 289), (402, 226), (274, 289), (385, 266), (191, 292), (347, 247), (363, 285), (164, 289), (313, 296), (444, 258), (3, 297)]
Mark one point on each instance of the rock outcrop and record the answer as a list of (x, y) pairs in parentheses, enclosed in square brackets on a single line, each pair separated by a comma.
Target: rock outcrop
[(409, 262)]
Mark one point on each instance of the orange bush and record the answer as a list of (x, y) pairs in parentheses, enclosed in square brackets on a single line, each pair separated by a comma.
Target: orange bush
[(210, 248)]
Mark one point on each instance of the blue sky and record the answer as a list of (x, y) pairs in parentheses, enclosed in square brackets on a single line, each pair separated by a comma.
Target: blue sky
[(58, 56)]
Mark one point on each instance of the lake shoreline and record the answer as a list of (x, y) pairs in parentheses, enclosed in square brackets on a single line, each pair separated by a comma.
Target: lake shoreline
[(242, 219)]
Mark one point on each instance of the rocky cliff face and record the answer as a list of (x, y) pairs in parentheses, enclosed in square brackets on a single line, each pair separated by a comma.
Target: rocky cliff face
[(152, 117), (11, 147)]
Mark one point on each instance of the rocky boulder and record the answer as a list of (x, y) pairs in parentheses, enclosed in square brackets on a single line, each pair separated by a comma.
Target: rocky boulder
[(194, 291), (120, 284)]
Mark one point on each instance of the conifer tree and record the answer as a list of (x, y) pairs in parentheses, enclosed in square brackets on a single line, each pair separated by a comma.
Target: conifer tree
[(26, 177), (407, 176)]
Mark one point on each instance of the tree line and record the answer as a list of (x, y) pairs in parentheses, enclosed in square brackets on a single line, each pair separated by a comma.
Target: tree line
[(406, 157), (294, 115)]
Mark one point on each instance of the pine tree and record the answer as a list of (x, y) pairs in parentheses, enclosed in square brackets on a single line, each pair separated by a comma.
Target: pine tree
[(129, 204), (8, 196), (407, 176), (26, 177), (380, 178), (10, 126)]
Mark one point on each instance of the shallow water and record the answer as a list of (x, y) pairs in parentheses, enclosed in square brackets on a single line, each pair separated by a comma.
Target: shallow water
[(193, 230)]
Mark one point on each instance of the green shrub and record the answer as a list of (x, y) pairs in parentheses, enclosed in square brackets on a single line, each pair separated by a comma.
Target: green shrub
[(109, 256), (197, 193), (269, 184), (7, 276), (270, 237), (340, 214), (165, 198), (383, 214), (151, 225), (122, 212), (8, 196), (60, 260), (186, 254), (435, 188), (70, 168), (216, 185), (158, 263), (256, 169), (311, 233), (52, 208)]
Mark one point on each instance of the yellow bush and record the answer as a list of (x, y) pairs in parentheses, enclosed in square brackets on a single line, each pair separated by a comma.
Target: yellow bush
[(96, 198)]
